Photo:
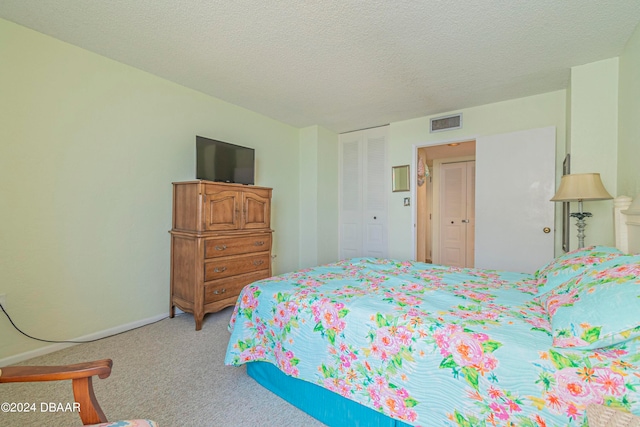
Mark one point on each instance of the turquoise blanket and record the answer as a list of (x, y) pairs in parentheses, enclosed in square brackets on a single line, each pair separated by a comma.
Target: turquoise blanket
[(429, 345)]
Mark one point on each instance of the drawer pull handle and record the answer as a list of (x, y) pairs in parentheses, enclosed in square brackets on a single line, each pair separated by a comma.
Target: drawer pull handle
[(258, 262), (218, 292), (221, 248), (219, 270), (260, 243)]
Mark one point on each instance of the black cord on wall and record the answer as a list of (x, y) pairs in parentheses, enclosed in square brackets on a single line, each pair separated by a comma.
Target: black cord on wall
[(69, 341)]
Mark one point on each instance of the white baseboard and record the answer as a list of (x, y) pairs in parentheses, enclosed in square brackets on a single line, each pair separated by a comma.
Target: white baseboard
[(96, 335)]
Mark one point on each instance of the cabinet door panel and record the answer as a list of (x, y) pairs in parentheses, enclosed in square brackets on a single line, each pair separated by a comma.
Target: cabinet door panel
[(256, 211), (222, 211)]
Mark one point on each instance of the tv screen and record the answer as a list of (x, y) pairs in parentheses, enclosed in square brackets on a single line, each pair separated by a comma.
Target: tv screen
[(224, 162)]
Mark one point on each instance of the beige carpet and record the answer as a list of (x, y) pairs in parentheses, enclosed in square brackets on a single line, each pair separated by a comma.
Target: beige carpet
[(167, 372)]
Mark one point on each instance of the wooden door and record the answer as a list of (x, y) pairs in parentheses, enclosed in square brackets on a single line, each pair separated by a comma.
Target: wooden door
[(515, 180)]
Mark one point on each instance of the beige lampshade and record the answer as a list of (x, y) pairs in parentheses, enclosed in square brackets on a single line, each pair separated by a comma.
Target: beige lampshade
[(581, 186)]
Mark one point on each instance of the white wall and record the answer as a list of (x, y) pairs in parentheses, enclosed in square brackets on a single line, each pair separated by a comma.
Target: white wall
[(594, 142), (628, 178), (518, 114)]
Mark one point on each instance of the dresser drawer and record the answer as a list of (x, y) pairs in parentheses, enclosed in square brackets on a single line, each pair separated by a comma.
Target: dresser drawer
[(219, 268), (226, 246), (230, 287)]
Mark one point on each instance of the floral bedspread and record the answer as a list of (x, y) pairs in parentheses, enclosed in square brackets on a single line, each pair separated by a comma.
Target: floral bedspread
[(429, 345)]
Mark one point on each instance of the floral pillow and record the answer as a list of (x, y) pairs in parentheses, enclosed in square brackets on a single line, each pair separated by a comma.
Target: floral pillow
[(598, 308), (572, 264)]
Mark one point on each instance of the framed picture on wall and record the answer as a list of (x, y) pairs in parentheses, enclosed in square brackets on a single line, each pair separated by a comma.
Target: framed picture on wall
[(400, 178)]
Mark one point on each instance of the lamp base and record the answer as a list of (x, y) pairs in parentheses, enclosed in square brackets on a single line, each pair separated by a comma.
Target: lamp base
[(581, 215), (581, 224)]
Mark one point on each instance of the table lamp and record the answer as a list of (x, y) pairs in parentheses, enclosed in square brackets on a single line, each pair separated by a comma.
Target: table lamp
[(578, 188)]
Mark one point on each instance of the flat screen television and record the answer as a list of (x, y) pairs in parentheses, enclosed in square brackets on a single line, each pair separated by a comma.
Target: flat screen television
[(223, 162)]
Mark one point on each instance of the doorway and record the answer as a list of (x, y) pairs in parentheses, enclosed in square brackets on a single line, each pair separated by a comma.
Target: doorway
[(515, 178), (428, 200)]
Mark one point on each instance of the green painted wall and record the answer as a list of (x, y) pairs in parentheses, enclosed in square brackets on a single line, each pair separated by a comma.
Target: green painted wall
[(318, 196), (88, 150), (309, 196), (327, 196), (594, 141), (629, 114), (518, 114)]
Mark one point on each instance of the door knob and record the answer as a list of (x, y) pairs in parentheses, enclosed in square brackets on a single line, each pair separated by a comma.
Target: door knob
[(546, 230)]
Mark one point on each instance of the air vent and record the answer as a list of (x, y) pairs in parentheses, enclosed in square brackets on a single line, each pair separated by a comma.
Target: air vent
[(440, 124)]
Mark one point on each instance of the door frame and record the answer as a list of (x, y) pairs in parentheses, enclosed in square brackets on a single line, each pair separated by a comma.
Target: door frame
[(414, 184)]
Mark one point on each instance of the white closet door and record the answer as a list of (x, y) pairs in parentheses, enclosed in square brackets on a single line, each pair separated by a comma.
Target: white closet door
[(515, 180), (375, 190), (365, 183), (351, 196)]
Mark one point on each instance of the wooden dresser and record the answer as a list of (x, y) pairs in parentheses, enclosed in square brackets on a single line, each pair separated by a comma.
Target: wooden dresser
[(220, 242)]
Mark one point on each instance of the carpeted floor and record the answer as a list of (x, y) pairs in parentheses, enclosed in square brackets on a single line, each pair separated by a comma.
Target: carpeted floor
[(167, 372)]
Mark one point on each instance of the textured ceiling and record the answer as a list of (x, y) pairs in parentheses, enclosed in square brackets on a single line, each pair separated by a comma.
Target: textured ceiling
[(345, 64)]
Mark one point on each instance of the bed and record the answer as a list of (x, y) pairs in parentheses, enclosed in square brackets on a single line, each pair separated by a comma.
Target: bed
[(383, 342)]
